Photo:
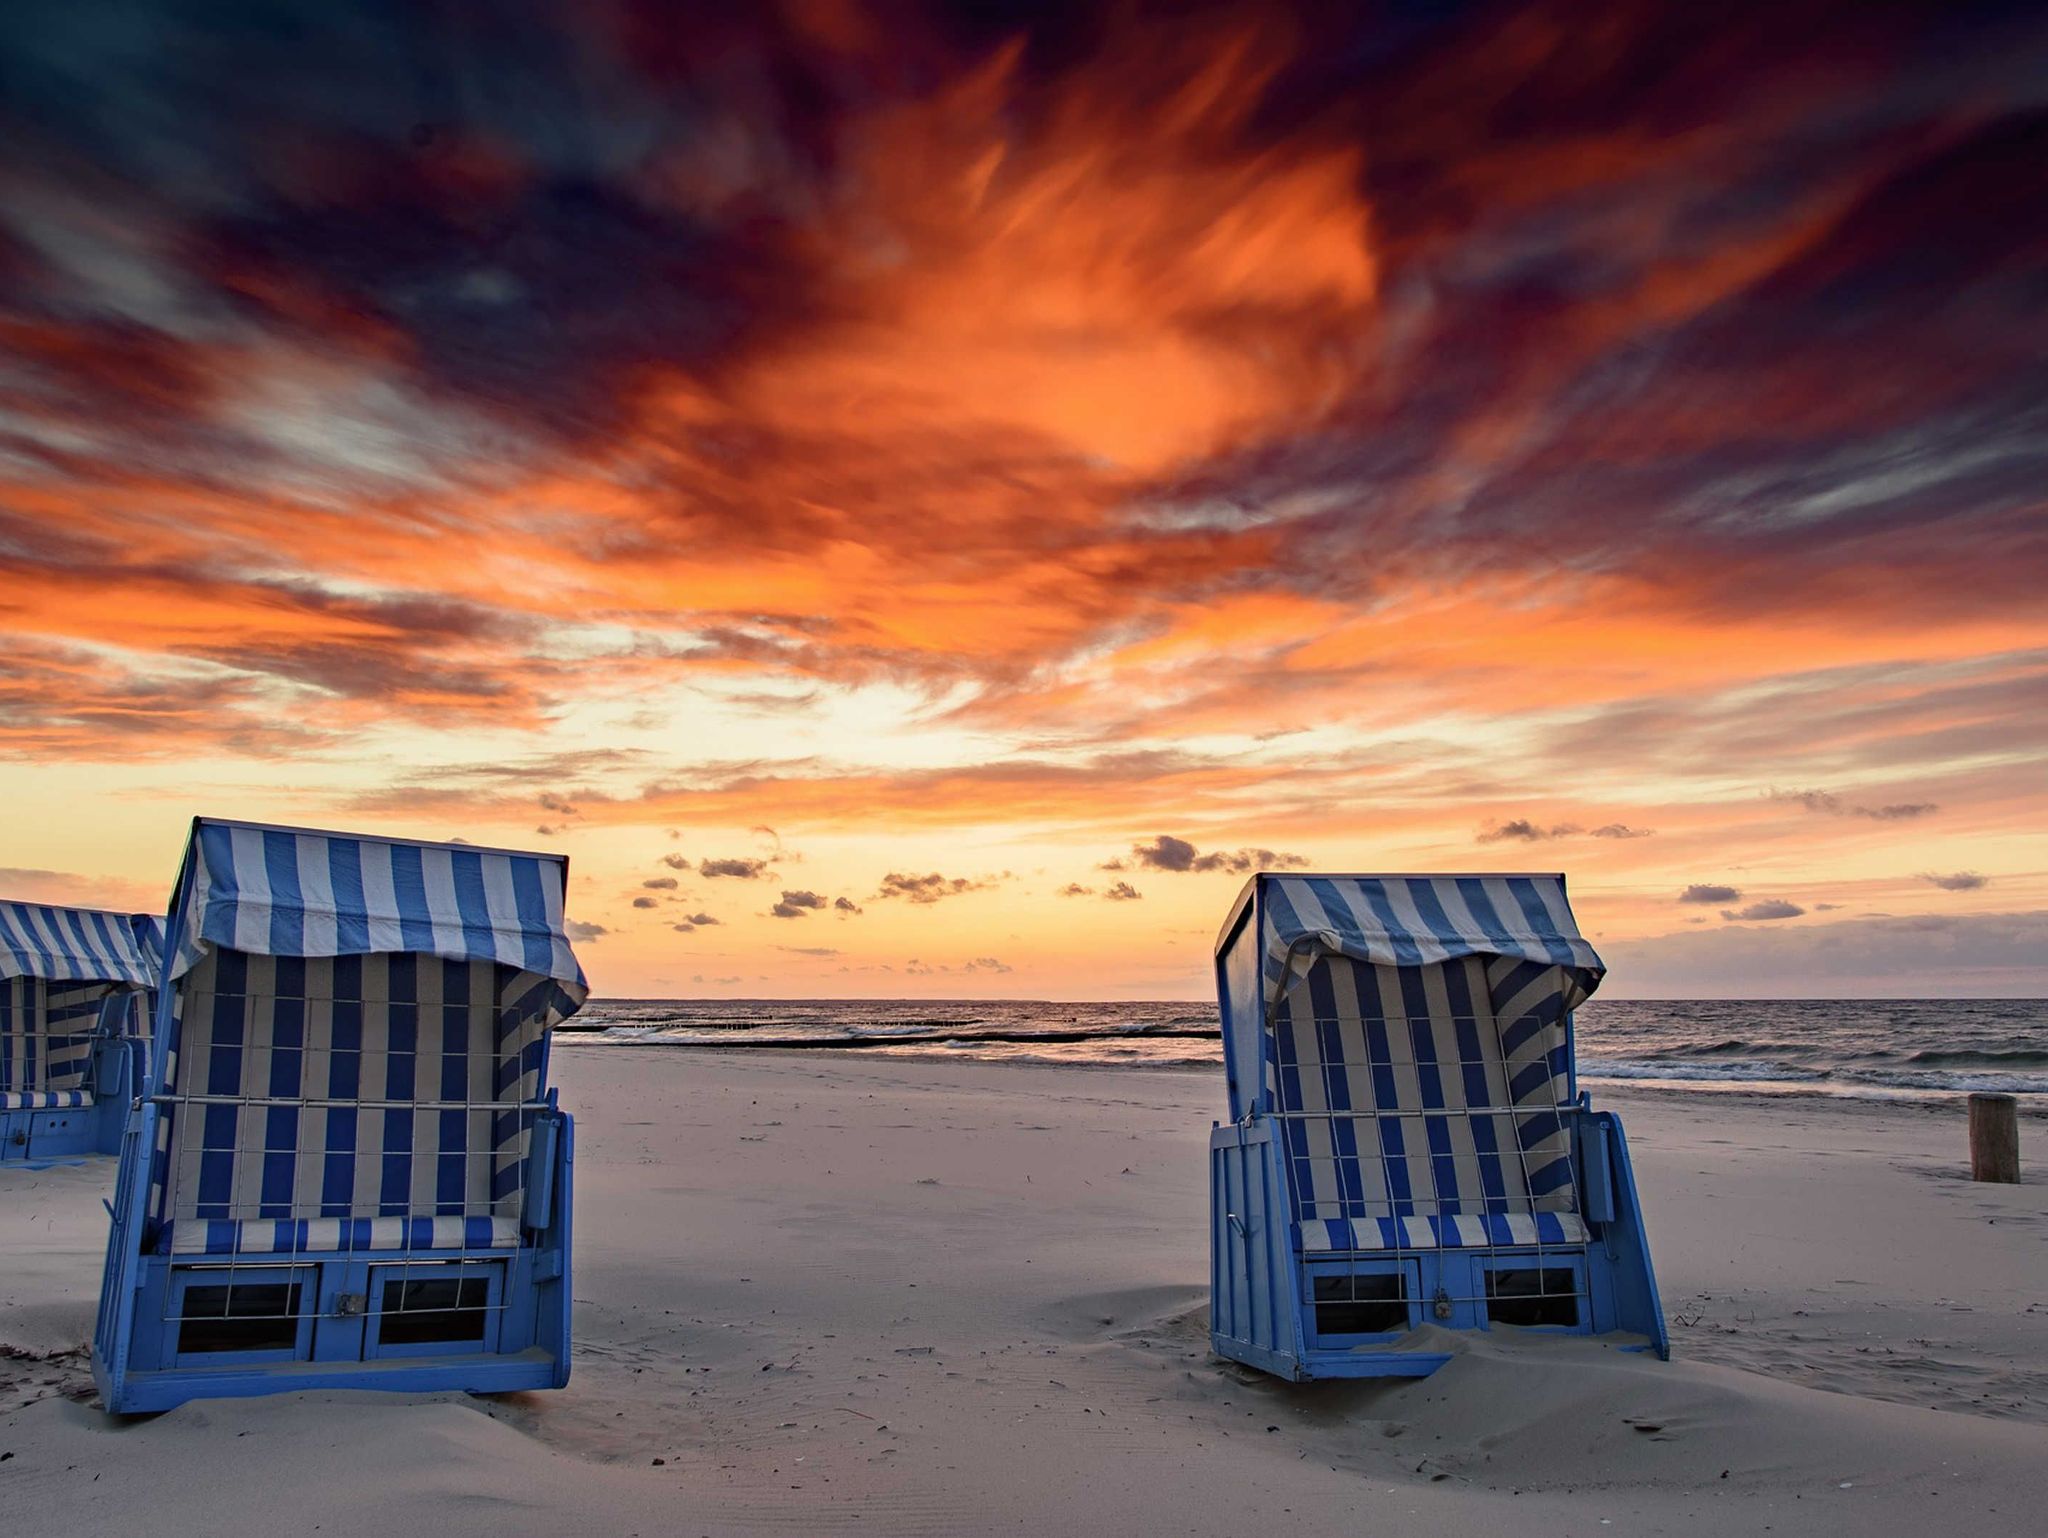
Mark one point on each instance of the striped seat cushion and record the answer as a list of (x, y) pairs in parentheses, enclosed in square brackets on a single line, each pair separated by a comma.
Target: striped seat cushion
[(1347, 1236), (301, 1236), (377, 1102), (1420, 1105), (45, 1099)]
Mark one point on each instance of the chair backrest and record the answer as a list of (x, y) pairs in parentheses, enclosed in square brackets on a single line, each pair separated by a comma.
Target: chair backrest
[(46, 1033), (1422, 1090), (385, 1085)]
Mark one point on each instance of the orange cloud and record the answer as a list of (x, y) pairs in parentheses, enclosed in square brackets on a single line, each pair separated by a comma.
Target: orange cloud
[(1525, 420)]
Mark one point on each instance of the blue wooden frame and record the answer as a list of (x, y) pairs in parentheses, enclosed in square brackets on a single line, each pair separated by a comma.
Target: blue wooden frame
[(1262, 1284), (335, 1337)]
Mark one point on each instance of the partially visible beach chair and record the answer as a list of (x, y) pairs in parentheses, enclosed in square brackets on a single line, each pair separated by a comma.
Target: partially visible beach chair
[(348, 1170), (1408, 1144), (71, 1028)]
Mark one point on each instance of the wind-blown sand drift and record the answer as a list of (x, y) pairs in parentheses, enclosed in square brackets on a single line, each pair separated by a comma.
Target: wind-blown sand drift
[(817, 1292)]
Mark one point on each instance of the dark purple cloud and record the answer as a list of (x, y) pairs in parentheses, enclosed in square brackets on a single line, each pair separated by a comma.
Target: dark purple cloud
[(930, 887), (1167, 853), (1709, 892)]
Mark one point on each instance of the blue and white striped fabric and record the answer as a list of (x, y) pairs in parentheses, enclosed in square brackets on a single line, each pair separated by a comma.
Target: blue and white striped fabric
[(369, 1100), (58, 969), (357, 1045), (1418, 1106), (1413, 921), (148, 929), (71, 945), (45, 1100), (289, 892)]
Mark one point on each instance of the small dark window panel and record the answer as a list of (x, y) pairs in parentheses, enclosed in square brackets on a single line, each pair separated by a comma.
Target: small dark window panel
[(1370, 1304), (1532, 1296), (420, 1313), (240, 1316)]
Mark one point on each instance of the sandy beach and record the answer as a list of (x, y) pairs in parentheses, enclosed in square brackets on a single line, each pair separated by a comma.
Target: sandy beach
[(820, 1292)]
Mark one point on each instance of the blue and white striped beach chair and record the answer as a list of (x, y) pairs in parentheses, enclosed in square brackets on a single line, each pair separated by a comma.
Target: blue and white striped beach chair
[(1408, 1144), (349, 1171), (73, 1030)]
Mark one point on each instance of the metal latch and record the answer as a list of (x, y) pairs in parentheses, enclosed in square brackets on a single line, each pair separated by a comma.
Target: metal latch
[(349, 1304)]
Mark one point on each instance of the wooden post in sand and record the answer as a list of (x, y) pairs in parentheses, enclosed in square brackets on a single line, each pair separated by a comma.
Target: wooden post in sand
[(1995, 1138)]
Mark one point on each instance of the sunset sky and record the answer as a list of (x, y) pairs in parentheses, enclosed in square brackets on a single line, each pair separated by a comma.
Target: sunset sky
[(917, 501)]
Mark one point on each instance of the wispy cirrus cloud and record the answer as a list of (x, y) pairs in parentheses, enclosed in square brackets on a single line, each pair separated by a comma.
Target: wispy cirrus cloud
[(1835, 806)]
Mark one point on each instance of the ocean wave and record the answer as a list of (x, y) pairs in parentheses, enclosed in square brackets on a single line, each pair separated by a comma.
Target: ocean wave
[(2022, 1057), (1743, 1073)]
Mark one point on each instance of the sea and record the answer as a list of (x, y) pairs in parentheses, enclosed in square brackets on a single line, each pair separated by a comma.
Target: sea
[(1872, 1048)]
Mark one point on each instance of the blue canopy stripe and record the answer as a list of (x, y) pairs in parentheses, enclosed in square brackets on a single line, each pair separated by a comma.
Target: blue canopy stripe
[(287, 892), (72, 945), (1416, 921)]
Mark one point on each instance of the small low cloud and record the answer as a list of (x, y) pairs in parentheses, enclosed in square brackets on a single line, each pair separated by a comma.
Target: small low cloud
[(694, 921), (559, 805), (1526, 830), (661, 883), (1769, 908), (740, 869), (1522, 830), (1123, 892), (1075, 889), (1956, 881), (928, 888), (795, 905), (580, 929), (1829, 804), (1167, 853), (647, 902), (1708, 892), (846, 905), (917, 968), (808, 950), (675, 862)]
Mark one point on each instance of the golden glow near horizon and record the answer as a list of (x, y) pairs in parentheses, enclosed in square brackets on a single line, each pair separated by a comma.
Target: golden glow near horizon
[(983, 543)]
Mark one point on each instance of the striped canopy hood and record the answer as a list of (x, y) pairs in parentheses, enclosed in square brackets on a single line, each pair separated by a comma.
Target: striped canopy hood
[(1412, 921), (75, 945), (295, 892)]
